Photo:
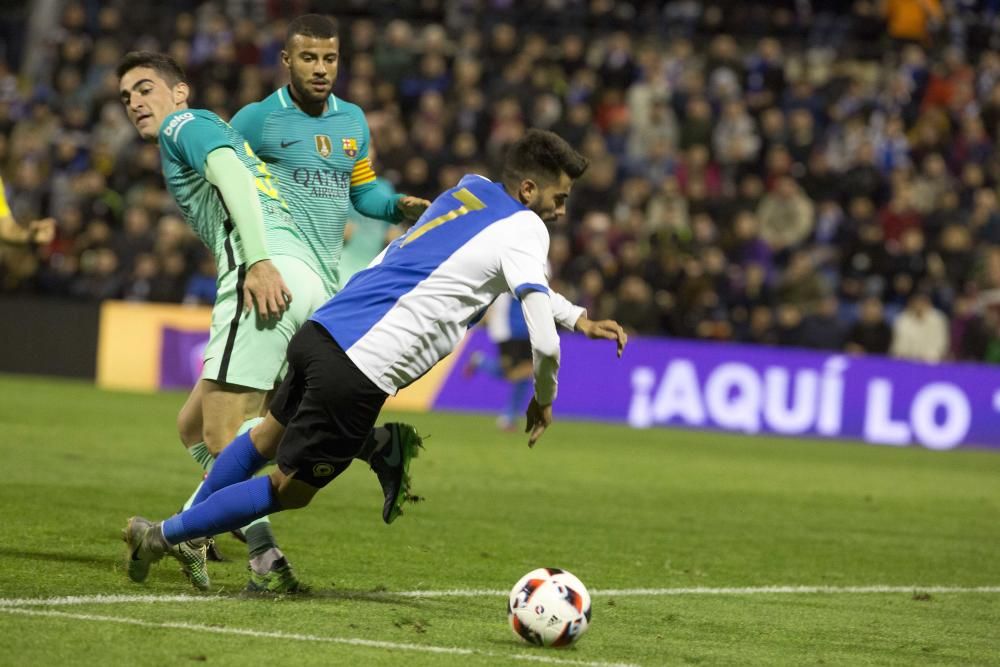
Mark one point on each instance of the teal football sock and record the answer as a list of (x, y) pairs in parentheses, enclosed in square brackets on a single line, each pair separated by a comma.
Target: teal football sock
[(199, 452), (259, 536)]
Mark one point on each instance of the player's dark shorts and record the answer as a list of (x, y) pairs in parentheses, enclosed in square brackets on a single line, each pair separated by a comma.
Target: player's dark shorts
[(514, 352), (327, 406)]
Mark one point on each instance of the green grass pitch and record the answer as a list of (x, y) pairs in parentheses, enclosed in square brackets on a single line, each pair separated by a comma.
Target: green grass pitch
[(621, 509)]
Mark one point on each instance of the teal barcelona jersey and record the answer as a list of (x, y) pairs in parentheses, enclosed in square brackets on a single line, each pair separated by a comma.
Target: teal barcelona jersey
[(317, 161), (186, 138)]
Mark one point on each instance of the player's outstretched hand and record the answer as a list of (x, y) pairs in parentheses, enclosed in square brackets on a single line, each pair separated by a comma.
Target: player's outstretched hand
[(265, 287), (539, 419), (605, 329), (41, 232), (412, 207)]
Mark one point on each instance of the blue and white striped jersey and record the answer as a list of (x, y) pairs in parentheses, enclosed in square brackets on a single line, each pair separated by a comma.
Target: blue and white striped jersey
[(414, 303)]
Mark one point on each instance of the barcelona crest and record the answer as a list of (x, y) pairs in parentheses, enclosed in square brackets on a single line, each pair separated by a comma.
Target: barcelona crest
[(351, 148), (323, 145)]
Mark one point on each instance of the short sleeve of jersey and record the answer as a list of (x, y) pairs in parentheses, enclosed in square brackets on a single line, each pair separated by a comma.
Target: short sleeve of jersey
[(190, 135), (249, 121), (363, 172), (524, 254), (4, 208)]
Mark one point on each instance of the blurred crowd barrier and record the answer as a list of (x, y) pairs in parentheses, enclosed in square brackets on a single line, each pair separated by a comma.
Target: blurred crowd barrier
[(659, 382), (755, 390)]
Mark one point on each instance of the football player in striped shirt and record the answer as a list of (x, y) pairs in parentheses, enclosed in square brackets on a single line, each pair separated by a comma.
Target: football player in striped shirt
[(317, 146), (230, 199)]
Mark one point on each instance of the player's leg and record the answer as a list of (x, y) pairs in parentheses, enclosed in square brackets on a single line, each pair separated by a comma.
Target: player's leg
[(518, 370), (389, 450), (223, 412), (231, 410), (250, 451), (241, 459), (227, 321), (243, 358), (261, 357), (229, 324), (337, 406), (189, 427), (479, 361), (225, 409), (234, 497), (334, 420)]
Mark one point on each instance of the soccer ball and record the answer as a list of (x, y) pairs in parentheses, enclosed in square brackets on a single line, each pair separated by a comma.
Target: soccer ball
[(549, 607)]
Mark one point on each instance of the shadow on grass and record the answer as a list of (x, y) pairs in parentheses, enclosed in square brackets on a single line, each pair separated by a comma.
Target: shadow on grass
[(383, 597), (60, 557), (332, 595)]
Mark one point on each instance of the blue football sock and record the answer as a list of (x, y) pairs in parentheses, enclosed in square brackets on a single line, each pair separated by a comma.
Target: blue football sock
[(492, 367), (515, 403), (225, 510), (237, 463)]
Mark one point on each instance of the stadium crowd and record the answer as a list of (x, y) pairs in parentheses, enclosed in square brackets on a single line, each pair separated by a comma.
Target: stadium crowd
[(816, 173)]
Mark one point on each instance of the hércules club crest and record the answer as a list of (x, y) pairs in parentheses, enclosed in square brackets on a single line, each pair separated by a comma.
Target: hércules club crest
[(323, 145), (351, 148)]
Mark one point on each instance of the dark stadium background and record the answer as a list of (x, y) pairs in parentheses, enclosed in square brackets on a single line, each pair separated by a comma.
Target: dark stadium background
[(761, 170)]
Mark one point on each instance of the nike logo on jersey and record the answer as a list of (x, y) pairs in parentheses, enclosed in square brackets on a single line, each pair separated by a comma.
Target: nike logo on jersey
[(286, 144)]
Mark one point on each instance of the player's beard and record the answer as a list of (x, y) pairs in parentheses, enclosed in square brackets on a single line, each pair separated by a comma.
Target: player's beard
[(304, 91)]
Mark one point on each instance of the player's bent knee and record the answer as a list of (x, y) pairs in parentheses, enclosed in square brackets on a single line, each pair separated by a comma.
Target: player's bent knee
[(292, 494), (290, 500), (218, 436), (188, 428), (267, 435), (215, 441)]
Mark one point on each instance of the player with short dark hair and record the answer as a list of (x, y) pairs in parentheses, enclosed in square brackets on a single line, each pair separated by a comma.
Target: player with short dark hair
[(317, 147), (230, 200), (391, 324), (539, 157), (168, 69)]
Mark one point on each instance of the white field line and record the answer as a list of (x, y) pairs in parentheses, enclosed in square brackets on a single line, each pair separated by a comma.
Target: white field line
[(702, 590), (348, 641), (71, 600), (77, 600)]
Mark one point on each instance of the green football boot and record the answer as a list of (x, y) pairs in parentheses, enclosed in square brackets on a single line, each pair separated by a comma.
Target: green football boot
[(279, 579), (193, 557), (392, 466), (145, 546)]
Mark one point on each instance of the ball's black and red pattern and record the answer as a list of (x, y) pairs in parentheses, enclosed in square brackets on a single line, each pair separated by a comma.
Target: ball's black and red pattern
[(549, 607)]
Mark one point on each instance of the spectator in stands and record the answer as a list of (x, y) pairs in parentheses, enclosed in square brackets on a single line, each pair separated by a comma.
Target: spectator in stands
[(800, 285), (970, 330), (201, 287), (871, 334), (920, 332), (636, 308), (786, 216), (735, 138), (912, 20), (763, 157), (822, 329)]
